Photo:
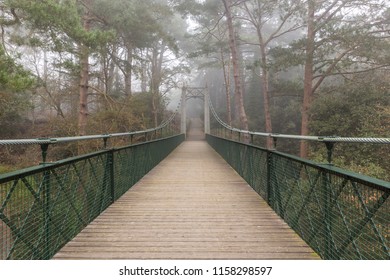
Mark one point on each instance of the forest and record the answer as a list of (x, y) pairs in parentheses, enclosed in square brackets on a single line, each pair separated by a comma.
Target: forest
[(302, 67)]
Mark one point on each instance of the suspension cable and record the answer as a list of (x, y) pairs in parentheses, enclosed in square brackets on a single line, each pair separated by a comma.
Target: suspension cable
[(331, 139)]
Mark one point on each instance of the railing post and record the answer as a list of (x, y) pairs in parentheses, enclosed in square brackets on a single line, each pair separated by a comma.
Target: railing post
[(46, 199), (110, 161), (327, 200), (329, 148), (275, 142), (44, 148), (46, 215), (105, 142), (269, 178)]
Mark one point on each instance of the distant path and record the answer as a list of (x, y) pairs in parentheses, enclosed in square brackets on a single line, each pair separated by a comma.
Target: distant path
[(196, 132)]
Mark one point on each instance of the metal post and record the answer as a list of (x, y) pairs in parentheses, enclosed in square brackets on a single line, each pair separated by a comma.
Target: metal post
[(183, 126), (328, 246), (105, 142), (110, 161), (269, 178), (46, 196), (206, 112), (46, 215), (44, 148), (329, 147), (275, 142)]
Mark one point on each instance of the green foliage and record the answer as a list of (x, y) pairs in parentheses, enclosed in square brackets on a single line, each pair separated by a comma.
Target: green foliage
[(359, 109), (352, 109), (284, 57), (135, 22), (188, 7), (13, 77), (14, 81), (56, 18)]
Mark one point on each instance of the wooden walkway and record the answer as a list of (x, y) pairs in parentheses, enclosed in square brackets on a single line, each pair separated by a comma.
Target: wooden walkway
[(191, 206)]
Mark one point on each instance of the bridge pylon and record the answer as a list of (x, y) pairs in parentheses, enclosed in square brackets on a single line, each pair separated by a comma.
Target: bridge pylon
[(195, 92)]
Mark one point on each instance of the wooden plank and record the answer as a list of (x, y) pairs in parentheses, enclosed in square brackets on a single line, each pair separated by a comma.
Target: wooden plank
[(191, 206)]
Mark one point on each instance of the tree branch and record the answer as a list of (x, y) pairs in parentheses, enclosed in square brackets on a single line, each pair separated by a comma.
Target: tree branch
[(354, 72), (329, 17), (330, 69), (209, 31)]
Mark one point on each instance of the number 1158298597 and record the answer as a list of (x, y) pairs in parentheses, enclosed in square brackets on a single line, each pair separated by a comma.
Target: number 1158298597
[(241, 270)]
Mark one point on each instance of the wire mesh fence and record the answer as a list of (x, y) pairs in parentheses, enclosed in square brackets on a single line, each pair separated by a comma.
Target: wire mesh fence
[(340, 214), (44, 207)]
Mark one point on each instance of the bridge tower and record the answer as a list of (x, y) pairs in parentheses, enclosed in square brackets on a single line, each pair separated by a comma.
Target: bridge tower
[(195, 92)]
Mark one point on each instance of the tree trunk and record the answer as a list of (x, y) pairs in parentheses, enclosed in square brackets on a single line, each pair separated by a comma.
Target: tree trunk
[(111, 74), (84, 75), (236, 67), (128, 71), (267, 110), (265, 86), (157, 61), (226, 76), (308, 78), (83, 92), (144, 76)]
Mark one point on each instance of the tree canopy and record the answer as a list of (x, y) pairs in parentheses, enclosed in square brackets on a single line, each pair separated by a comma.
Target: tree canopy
[(308, 67)]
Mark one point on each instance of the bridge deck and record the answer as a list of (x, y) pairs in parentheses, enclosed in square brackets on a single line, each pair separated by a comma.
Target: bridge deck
[(191, 206)]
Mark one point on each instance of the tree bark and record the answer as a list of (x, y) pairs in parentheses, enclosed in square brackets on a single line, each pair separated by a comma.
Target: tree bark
[(226, 76), (236, 67), (308, 78), (144, 76), (157, 61), (265, 87), (128, 72), (84, 74)]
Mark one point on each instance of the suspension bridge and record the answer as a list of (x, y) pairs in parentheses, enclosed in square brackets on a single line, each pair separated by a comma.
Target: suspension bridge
[(192, 195)]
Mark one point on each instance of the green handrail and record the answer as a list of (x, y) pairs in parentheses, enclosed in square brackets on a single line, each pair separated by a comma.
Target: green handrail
[(44, 207), (340, 214)]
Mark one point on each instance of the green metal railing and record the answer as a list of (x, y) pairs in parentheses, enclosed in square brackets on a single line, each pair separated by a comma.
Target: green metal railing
[(44, 207), (341, 215)]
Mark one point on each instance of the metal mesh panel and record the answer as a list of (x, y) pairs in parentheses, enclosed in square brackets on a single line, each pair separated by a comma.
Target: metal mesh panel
[(249, 162), (341, 215), (42, 208), (47, 206)]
